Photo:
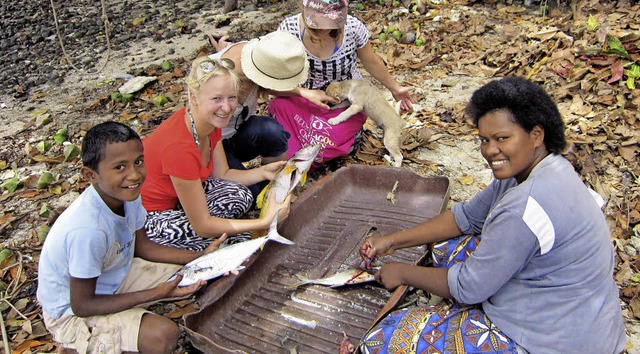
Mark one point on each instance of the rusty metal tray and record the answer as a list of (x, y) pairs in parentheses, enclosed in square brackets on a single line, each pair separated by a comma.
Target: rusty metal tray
[(328, 222)]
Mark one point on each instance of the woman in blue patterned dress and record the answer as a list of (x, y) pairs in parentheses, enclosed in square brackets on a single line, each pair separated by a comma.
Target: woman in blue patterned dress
[(534, 273)]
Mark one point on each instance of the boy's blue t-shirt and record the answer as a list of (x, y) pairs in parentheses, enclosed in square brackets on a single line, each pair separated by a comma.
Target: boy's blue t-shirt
[(88, 240)]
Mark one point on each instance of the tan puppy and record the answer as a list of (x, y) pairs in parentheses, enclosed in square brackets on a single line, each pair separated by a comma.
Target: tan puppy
[(368, 98)]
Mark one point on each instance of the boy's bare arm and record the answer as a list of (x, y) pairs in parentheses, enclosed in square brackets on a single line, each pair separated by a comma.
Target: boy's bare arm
[(85, 302), (154, 252)]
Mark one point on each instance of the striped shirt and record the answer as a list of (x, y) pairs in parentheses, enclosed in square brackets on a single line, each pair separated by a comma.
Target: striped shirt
[(342, 64)]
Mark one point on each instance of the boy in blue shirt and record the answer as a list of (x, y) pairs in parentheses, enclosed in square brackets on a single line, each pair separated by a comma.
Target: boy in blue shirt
[(90, 285)]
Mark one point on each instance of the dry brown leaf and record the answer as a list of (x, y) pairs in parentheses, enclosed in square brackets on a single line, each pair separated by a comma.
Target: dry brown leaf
[(179, 312), (26, 326), (26, 345), (178, 72), (367, 157), (545, 34), (126, 116), (413, 138), (165, 77), (48, 159), (466, 180), (7, 217), (430, 164), (634, 216), (30, 193), (512, 10), (628, 153), (624, 273), (634, 304)]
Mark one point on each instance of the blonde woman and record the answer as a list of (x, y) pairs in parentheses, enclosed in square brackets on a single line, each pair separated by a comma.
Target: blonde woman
[(191, 195), (271, 64)]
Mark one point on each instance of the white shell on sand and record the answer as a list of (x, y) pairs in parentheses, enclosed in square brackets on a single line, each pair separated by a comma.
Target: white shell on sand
[(136, 84)]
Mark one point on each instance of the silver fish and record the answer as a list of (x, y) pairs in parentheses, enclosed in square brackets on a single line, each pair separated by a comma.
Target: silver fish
[(348, 276), (289, 176), (223, 260)]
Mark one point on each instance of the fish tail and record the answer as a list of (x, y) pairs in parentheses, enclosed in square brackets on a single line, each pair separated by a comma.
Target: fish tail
[(273, 234), (303, 280)]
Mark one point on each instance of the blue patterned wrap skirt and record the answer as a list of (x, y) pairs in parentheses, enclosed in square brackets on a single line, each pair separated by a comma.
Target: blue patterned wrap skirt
[(444, 328)]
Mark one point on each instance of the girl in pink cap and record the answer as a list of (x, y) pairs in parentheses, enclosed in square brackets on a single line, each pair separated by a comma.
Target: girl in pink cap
[(334, 42)]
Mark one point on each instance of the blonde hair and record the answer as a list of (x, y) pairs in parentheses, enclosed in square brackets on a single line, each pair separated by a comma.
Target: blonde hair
[(203, 68)]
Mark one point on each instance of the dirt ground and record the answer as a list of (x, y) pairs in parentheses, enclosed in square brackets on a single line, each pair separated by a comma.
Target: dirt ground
[(83, 100)]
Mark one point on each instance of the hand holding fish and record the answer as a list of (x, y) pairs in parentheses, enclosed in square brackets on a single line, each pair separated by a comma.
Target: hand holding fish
[(270, 169), (391, 275), (273, 207), (374, 247), (170, 289), (277, 194)]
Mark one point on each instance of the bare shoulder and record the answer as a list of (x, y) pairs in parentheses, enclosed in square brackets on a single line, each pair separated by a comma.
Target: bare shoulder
[(234, 53)]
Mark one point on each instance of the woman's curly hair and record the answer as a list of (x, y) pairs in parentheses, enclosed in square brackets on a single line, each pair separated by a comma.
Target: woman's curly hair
[(529, 104)]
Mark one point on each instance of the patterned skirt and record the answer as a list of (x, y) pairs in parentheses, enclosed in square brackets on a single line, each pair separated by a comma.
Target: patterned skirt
[(444, 328), (226, 199)]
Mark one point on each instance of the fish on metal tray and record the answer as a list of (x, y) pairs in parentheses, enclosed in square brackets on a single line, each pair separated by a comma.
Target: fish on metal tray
[(223, 260), (348, 276), (294, 172)]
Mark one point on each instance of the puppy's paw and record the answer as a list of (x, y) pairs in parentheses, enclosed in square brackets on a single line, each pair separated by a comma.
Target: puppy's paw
[(334, 121)]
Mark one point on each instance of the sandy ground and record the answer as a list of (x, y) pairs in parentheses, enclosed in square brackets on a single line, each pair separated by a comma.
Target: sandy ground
[(65, 104)]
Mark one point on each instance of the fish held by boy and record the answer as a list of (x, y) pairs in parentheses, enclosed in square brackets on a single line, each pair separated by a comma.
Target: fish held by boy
[(294, 172), (227, 259), (348, 276)]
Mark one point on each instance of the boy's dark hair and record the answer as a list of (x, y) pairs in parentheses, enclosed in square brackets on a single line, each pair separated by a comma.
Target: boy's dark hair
[(97, 138), (529, 104)]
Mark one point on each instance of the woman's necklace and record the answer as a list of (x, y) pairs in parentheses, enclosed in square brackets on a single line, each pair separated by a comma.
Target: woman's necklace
[(194, 131), (193, 128)]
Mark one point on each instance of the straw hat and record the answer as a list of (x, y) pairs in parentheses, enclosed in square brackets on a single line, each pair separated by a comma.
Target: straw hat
[(276, 61)]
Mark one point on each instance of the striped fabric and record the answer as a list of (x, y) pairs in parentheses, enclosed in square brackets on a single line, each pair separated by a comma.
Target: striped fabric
[(342, 65), (226, 199)]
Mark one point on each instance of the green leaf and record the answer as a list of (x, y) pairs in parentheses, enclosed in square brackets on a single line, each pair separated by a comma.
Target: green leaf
[(70, 152), (44, 210), (61, 136), (12, 183), (5, 253), (116, 97), (166, 65), (160, 101), (42, 232), (38, 112), (616, 47), (635, 278), (633, 72), (631, 83), (592, 23), (43, 146), (45, 180)]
